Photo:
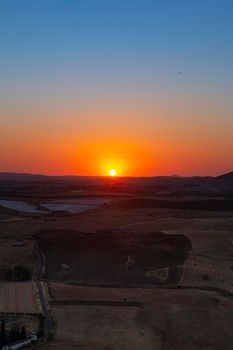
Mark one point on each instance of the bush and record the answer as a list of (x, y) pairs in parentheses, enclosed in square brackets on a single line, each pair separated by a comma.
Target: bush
[(205, 277)]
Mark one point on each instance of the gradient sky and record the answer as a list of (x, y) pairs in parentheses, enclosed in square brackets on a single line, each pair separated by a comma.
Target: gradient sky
[(88, 85)]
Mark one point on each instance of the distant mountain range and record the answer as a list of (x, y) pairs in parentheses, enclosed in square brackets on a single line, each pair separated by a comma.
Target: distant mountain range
[(19, 176), (228, 176), (11, 176), (221, 185)]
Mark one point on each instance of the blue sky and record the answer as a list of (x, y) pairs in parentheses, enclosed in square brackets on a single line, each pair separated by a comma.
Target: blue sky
[(116, 37)]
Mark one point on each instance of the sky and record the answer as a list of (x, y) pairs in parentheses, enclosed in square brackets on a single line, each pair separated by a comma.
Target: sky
[(141, 86)]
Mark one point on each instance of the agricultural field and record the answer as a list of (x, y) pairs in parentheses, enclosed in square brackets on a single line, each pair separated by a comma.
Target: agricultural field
[(211, 261), (14, 253), (114, 258), (168, 319), (130, 277), (18, 298)]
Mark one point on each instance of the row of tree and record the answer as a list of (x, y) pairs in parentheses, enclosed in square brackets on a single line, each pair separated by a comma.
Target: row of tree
[(18, 273), (11, 336)]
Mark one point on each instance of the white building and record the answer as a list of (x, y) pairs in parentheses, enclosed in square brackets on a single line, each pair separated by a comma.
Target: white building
[(20, 344)]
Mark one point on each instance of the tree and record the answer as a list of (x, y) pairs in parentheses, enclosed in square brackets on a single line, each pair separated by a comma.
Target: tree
[(11, 336), (40, 332), (3, 334), (17, 334), (23, 333), (9, 274), (22, 273)]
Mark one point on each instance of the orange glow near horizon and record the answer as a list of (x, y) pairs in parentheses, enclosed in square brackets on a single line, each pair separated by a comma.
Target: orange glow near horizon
[(97, 159), (55, 147)]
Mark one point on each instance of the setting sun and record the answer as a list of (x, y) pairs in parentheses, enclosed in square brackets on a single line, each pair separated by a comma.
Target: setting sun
[(112, 172)]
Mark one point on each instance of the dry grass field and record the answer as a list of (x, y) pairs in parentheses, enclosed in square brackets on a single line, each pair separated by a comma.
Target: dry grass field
[(170, 319), (211, 261), (184, 319), (15, 252), (18, 298), (196, 316), (127, 220)]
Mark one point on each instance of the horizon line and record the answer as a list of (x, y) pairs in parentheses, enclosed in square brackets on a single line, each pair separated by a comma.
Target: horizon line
[(106, 176)]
